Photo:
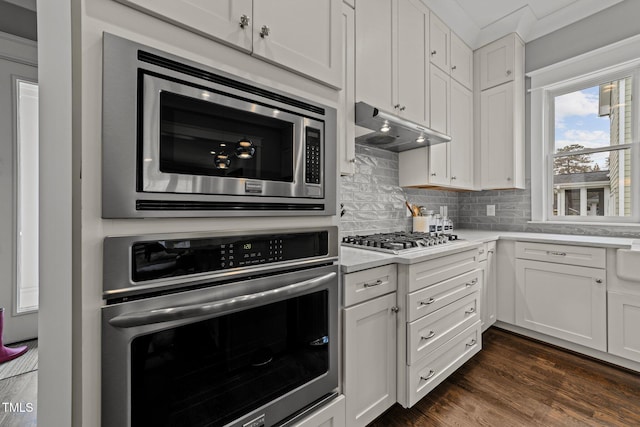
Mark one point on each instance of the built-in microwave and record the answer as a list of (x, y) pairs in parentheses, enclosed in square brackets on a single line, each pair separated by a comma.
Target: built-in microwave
[(181, 139)]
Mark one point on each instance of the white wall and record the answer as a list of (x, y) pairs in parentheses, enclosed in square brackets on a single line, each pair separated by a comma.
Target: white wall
[(106, 15)]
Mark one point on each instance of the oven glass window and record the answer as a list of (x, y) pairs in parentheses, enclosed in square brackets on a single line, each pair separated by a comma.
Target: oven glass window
[(212, 372), (204, 138)]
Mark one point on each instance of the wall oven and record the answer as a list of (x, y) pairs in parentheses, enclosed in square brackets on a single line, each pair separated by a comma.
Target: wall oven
[(219, 330), (182, 139)]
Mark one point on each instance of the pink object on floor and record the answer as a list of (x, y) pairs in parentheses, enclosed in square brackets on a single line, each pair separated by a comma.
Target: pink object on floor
[(8, 353)]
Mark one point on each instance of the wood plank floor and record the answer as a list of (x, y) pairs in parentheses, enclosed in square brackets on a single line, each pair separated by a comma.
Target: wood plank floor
[(515, 381)]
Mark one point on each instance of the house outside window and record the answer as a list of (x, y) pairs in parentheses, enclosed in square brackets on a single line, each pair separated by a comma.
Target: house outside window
[(584, 157)]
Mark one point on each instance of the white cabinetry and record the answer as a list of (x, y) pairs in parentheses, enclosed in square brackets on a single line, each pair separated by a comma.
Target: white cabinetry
[(391, 69), (439, 43), (439, 324), (487, 260), (461, 62), (346, 105), (624, 325), (501, 154), (558, 296), (369, 343), (301, 35), (330, 415)]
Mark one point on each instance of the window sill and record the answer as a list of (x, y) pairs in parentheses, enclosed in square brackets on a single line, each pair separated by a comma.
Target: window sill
[(587, 223)]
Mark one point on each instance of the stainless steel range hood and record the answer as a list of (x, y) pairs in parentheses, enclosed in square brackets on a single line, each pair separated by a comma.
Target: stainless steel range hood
[(401, 134)]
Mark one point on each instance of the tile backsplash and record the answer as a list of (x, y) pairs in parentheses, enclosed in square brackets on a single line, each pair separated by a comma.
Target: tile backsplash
[(374, 203), (373, 200)]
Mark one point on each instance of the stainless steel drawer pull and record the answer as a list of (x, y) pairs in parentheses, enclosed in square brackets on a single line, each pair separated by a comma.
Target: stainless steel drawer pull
[(428, 337), (471, 283), (481, 251), (427, 302), (472, 343), (557, 253), (244, 21), (470, 311), (429, 375), (371, 285), (598, 280)]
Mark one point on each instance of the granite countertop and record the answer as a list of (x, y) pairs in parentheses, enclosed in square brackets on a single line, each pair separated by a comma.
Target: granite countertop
[(353, 259)]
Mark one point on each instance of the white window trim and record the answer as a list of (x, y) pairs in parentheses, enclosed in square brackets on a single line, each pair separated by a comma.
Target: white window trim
[(620, 58)]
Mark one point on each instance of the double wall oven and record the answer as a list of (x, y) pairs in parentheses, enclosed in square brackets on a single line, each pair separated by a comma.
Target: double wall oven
[(225, 329), (181, 139)]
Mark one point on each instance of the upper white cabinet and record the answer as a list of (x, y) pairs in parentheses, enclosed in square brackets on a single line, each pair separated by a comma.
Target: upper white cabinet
[(391, 44), (501, 118), (301, 35), (461, 62), (439, 43), (498, 62), (461, 145), (346, 106)]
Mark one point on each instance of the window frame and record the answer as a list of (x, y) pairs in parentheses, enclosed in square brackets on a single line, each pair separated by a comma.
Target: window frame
[(568, 76)]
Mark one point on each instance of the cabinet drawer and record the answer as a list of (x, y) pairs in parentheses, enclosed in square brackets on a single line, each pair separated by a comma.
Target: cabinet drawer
[(433, 369), (482, 252), (436, 270), (330, 415), (562, 254), (366, 284), (434, 297), (429, 332)]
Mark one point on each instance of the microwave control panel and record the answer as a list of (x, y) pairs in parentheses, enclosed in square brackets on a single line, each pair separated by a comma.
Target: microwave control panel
[(312, 156)]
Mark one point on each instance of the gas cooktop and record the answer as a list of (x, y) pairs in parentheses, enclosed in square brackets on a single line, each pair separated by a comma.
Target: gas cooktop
[(397, 243)]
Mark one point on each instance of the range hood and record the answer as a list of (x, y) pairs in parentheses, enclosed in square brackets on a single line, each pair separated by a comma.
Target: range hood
[(400, 135)]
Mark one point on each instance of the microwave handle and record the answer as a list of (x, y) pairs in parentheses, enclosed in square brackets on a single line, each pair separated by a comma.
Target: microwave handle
[(229, 305)]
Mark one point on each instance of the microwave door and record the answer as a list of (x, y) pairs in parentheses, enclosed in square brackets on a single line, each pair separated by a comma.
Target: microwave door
[(198, 141)]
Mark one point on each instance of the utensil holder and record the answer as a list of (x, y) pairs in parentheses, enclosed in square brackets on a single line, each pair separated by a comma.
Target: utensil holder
[(420, 224)]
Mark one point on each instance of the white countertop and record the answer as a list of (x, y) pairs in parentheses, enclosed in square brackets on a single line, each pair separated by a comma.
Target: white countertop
[(353, 259)]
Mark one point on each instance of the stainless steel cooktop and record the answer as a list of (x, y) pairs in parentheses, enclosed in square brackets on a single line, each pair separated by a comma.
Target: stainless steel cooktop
[(397, 243)]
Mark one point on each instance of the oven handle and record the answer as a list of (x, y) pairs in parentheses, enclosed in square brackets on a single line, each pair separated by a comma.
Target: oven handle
[(228, 305)]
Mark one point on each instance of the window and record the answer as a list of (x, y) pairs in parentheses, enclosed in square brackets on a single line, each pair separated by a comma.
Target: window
[(585, 165)]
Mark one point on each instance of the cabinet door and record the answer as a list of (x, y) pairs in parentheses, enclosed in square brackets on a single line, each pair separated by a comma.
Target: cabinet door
[(374, 53), (412, 98), (217, 19), (497, 62), (461, 62), (346, 106), (303, 35), (461, 145), (624, 318), (489, 289), (439, 35), (496, 137), (564, 301), (369, 359)]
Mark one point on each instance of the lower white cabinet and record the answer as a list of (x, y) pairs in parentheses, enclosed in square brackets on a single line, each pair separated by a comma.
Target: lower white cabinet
[(369, 359), (330, 415), (564, 301), (489, 285), (624, 325)]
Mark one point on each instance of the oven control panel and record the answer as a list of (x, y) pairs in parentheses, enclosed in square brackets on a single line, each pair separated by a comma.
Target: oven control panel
[(180, 257)]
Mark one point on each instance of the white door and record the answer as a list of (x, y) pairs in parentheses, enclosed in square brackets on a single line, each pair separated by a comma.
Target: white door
[(497, 137), (302, 35), (496, 62), (18, 229), (439, 35)]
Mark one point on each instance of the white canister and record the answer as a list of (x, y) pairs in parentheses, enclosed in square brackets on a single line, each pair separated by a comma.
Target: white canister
[(420, 224)]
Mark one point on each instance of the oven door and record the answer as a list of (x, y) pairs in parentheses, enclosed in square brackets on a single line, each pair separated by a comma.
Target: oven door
[(202, 141), (261, 349)]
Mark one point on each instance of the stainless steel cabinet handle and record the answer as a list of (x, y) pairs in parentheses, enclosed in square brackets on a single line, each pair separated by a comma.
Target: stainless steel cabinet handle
[(471, 283), (453, 177), (454, 67), (598, 280), (428, 337), (472, 343), (433, 174), (371, 285), (433, 52), (403, 108), (429, 375), (508, 178), (244, 21), (395, 309), (396, 106), (167, 314), (352, 160), (427, 302), (264, 31), (491, 251), (556, 253), (470, 311)]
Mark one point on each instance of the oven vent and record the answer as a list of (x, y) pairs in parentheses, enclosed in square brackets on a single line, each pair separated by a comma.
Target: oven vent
[(225, 81), (173, 205)]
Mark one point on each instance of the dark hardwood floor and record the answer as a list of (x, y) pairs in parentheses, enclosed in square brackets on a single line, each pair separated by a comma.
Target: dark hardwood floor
[(515, 381)]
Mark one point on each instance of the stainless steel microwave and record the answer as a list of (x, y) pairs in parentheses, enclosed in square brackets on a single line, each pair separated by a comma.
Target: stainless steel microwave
[(180, 139)]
